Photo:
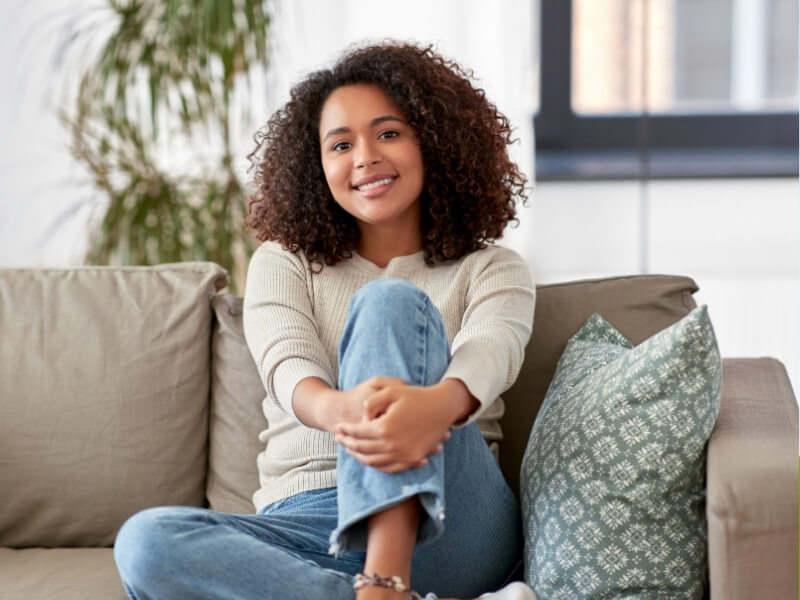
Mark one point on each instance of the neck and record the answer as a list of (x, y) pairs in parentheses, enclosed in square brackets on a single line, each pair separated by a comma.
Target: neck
[(379, 248)]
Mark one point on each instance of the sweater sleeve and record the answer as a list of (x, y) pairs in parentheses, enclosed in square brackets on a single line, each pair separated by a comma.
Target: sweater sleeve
[(279, 325), (488, 350)]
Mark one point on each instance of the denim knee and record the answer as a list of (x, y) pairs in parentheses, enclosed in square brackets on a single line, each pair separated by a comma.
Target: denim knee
[(141, 546), (393, 304), (392, 329), (387, 295)]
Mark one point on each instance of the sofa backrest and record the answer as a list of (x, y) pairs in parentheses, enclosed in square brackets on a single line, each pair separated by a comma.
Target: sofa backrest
[(638, 306), (107, 406), (236, 414), (103, 397)]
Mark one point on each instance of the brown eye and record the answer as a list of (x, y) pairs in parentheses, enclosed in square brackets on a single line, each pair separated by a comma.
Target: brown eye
[(340, 146)]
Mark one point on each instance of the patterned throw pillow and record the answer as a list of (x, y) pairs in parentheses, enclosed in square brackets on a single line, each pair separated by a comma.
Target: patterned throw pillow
[(612, 481)]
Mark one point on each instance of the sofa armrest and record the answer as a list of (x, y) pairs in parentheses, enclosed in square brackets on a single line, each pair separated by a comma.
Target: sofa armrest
[(752, 484)]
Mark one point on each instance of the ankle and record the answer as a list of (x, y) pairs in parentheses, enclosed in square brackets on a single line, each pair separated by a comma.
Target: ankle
[(379, 587)]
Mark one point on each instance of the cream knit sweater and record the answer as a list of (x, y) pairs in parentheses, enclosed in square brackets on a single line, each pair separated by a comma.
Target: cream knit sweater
[(293, 321)]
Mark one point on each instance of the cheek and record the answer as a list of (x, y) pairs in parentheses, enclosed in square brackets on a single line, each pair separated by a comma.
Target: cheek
[(335, 173)]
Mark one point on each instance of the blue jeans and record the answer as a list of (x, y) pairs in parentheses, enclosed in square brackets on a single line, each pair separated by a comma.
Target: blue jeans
[(311, 545)]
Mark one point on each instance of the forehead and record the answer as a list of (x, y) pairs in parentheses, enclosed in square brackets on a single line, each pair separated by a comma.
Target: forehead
[(354, 105)]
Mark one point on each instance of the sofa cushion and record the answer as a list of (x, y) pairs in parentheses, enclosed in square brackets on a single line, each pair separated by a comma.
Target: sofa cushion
[(103, 397), (639, 306), (59, 574), (236, 418), (613, 476)]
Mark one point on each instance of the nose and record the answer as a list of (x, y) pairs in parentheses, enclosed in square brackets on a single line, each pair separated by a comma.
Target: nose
[(367, 153)]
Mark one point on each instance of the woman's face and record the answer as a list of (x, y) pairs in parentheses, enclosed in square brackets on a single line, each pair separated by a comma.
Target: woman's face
[(371, 159)]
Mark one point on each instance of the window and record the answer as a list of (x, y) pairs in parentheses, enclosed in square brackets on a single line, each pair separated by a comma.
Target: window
[(667, 88)]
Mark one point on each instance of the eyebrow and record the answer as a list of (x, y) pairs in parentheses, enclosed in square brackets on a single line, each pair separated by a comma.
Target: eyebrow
[(376, 121)]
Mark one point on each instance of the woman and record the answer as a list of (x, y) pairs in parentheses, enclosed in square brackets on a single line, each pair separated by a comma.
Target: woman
[(383, 325)]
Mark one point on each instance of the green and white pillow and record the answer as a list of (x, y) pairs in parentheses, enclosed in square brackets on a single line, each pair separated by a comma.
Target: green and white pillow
[(613, 477)]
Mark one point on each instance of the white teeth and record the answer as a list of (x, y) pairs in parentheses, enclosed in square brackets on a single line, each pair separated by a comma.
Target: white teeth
[(374, 184)]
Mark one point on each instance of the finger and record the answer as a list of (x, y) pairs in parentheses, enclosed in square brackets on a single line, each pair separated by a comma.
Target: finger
[(369, 430), (366, 447), (378, 461), (376, 403), (386, 462), (447, 435)]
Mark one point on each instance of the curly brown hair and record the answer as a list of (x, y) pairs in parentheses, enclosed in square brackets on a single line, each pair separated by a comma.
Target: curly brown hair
[(470, 184)]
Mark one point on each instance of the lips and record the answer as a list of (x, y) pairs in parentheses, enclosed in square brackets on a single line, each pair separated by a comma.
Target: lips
[(373, 181), (375, 184)]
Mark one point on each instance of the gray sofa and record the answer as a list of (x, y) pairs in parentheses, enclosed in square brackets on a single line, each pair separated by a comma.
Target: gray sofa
[(123, 388)]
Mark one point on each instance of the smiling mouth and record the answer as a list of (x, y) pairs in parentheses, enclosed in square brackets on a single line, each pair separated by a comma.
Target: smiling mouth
[(375, 184)]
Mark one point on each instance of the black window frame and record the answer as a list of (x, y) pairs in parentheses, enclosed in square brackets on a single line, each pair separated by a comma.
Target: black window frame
[(572, 146)]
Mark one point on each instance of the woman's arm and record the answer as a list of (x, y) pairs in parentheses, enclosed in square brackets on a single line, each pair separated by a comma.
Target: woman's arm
[(489, 348), (279, 324)]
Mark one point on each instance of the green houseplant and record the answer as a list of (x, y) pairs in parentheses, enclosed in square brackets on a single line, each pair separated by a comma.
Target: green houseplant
[(153, 122)]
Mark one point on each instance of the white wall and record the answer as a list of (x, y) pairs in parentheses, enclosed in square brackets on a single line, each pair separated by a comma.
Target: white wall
[(45, 199), (738, 239)]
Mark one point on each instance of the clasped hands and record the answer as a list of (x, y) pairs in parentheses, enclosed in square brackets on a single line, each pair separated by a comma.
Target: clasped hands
[(392, 426)]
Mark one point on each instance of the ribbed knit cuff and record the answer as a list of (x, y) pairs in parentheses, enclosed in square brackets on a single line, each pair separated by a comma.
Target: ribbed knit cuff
[(291, 372), (478, 385)]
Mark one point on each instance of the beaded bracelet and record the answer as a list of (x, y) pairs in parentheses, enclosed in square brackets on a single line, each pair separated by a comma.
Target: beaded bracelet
[(393, 583)]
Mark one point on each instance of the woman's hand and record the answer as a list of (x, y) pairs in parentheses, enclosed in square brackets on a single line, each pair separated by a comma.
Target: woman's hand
[(351, 406), (403, 424), (318, 405)]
